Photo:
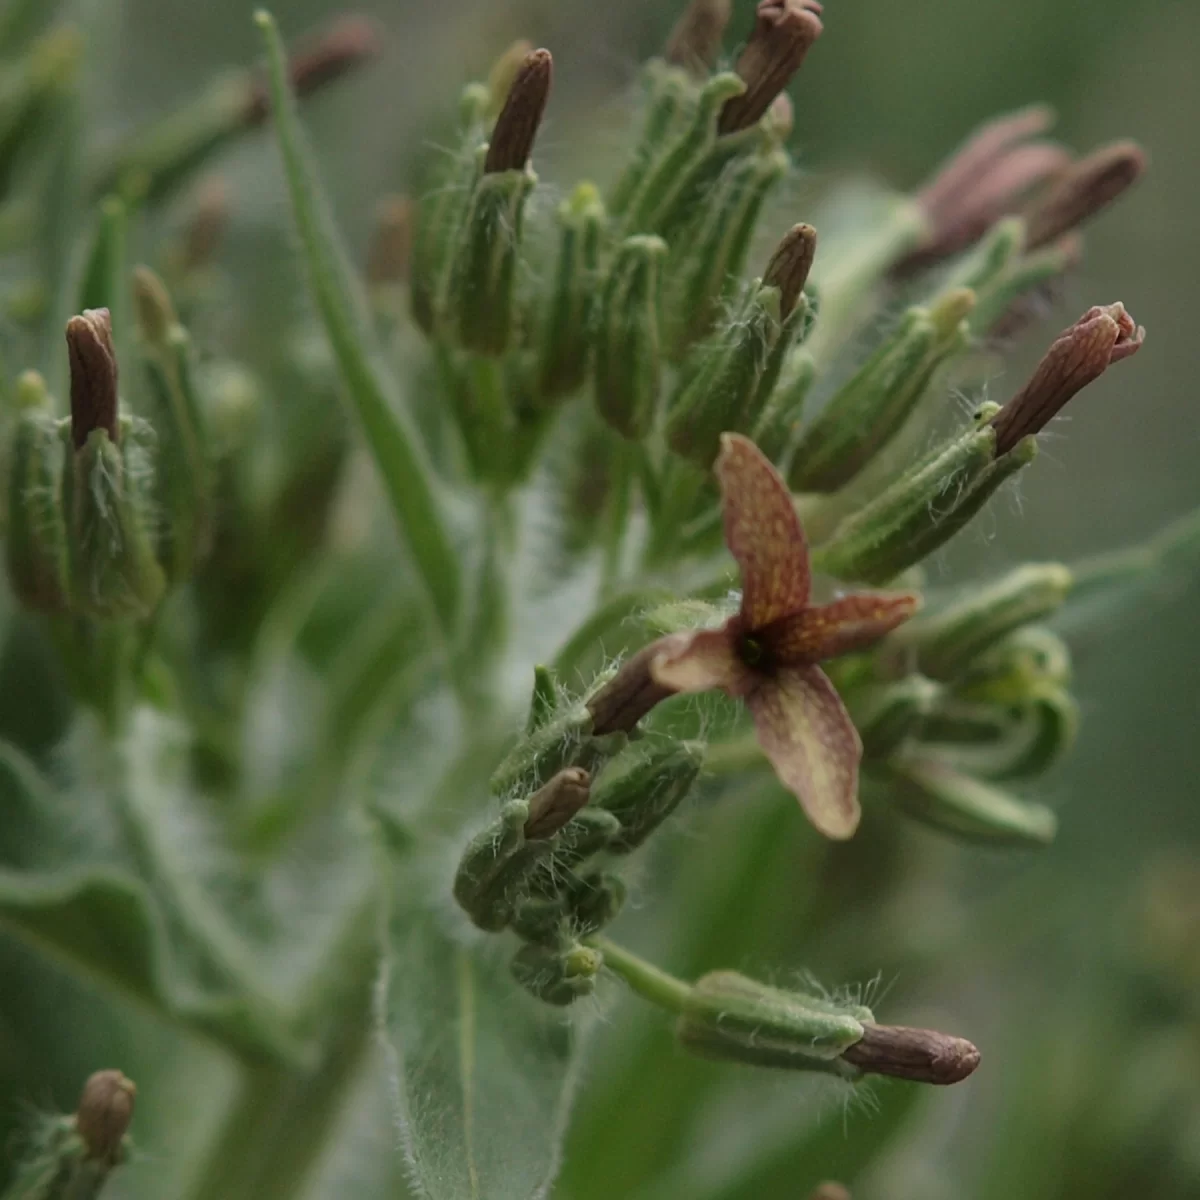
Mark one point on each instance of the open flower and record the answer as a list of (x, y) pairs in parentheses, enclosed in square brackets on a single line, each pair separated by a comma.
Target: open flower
[(767, 653)]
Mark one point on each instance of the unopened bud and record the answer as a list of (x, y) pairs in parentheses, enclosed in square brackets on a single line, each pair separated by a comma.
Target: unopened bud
[(920, 1055), (555, 975), (390, 252), (552, 806), (790, 265), (938, 795), (152, 303), (496, 868), (784, 32), (594, 902), (1079, 356), (625, 699), (517, 125), (643, 791), (871, 409), (503, 75), (887, 715), (104, 1115), (93, 375), (1089, 187), (695, 42)]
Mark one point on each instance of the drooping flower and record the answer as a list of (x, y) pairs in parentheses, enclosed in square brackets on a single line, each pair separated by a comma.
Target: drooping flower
[(767, 654)]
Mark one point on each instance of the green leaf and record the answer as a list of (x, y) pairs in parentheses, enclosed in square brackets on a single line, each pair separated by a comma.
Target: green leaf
[(393, 441), (486, 1073)]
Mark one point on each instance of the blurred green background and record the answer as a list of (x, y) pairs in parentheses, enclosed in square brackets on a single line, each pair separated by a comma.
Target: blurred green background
[(1070, 969)]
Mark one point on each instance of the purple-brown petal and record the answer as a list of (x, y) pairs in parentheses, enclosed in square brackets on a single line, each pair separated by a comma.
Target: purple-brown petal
[(849, 624), (763, 533), (804, 729), (702, 661)]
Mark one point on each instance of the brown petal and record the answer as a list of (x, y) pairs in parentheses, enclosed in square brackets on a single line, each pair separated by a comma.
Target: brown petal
[(804, 729), (849, 624), (702, 661), (763, 533)]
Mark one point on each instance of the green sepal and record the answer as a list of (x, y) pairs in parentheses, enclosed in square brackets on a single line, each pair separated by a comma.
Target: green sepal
[(594, 901), (544, 702), (37, 532), (946, 639), (108, 499), (887, 715), (871, 409), (711, 252), (565, 337), (947, 800), (557, 975), (644, 787), (729, 1017), (627, 366), (779, 425), (875, 544), (1011, 669)]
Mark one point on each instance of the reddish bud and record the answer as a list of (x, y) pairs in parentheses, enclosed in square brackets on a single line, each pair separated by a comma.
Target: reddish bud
[(552, 806), (93, 375), (104, 1114), (920, 1055), (519, 120), (789, 266), (622, 702)]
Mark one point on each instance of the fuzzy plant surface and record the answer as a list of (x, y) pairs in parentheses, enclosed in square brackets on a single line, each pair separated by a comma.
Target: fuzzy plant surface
[(571, 550)]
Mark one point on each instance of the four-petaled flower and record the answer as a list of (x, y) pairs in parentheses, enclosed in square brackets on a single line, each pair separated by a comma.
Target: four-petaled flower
[(767, 653)]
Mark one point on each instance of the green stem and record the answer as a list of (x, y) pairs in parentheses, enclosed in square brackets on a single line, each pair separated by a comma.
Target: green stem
[(642, 977)]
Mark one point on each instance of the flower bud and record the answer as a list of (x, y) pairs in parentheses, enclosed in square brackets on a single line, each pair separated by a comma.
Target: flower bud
[(594, 902), (552, 806), (888, 715), (946, 640), (37, 536), (784, 32), (950, 802), (920, 1055), (695, 42), (628, 362), (104, 1115), (557, 976), (93, 376), (1014, 666), (565, 340), (730, 1017), (520, 119), (1085, 190), (868, 411), (877, 543), (644, 787), (1080, 355), (628, 696)]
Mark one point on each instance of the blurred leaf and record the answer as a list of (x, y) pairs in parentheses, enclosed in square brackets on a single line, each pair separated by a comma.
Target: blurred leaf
[(486, 1073)]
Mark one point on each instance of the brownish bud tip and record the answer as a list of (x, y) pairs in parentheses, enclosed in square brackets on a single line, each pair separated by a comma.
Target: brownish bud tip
[(695, 42), (552, 806), (789, 266), (622, 702), (93, 375), (784, 32), (390, 252), (988, 178), (321, 59), (1085, 190), (521, 117), (921, 1055), (104, 1114), (1079, 355), (830, 1191)]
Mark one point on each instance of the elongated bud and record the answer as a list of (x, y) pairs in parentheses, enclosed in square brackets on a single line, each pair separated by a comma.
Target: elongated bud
[(695, 42), (919, 1055), (710, 254), (956, 804), (520, 119), (625, 699), (36, 543), (93, 376), (628, 360), (730, 1017), (1084, 191), (946, 640), (1015, 666), (552, 806), (496, 868), (985, 180), (1079, 356), (790, 265), (483, 278), (104, 1115), (645, 790), (567, 325), (557, 976), (888, 715), (784, 32), (594, 902), (865, 414), (390, 252), (877, 543)]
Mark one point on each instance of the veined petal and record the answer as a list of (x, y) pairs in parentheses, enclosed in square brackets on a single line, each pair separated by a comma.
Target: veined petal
[(805, 731), (762, 532), (851, 623), (701, 661)]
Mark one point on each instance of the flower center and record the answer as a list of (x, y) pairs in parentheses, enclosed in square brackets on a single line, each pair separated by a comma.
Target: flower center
[(752, 652)]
